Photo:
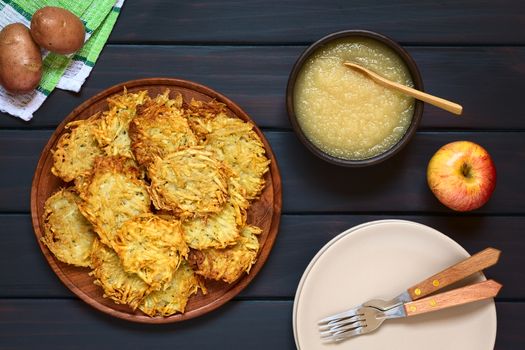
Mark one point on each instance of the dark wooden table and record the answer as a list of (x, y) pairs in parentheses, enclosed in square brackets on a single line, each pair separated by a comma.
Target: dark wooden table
[(471, 51)]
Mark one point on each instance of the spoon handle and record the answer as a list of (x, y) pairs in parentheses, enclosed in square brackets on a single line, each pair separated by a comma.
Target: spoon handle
[(420, 95), (423, 96)]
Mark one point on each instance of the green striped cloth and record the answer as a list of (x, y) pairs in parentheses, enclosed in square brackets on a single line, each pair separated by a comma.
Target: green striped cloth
[(64, 72)]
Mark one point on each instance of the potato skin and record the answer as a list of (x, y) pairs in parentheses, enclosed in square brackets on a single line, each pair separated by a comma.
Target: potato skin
[(20, 59), (57, 30)]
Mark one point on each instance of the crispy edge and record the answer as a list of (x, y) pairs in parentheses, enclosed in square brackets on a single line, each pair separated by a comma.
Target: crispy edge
[(184, 204), (230, 263), (231, 138), (60, 154), (113, 164), (166, 114), (112, 132), (130, 290), (51, 232), (149, 232), (174, 299), (216, 231)]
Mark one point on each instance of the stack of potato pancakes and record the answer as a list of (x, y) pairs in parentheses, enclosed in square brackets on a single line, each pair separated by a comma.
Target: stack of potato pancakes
[(156, 198)]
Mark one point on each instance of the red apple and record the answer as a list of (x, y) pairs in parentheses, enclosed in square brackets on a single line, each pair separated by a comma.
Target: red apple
[(462, 175)]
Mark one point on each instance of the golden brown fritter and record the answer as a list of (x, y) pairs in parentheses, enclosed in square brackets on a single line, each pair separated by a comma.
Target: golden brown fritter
[(112, 132), (151, 247), (238, 198), (201, 113), (160, 129), (237, 144), (188, 182), (228, 264), (76, 150), (216, 231), (120, 286), (67, 233), (113, 194), (174, 299)]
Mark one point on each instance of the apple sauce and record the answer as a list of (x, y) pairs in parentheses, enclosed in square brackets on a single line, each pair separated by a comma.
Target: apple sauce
[(344, 113)]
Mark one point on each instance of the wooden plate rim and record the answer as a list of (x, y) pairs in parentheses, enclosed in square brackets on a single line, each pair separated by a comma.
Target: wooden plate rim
[(238, 286)]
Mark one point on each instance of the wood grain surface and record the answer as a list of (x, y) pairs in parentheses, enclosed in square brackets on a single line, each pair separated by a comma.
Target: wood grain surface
[(299, 239), (469, 51), (292, 21), (73, 320), (264, 212), (311, 185), (255, 77)]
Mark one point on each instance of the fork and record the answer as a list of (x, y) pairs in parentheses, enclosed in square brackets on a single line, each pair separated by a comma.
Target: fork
[(452, 274), (367, 319)]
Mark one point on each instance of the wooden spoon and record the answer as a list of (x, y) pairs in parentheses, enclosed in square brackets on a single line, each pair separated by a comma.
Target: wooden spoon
[(420, 95)]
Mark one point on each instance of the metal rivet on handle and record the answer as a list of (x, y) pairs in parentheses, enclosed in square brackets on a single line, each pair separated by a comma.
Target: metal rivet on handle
[(417, 291), (435, 283)]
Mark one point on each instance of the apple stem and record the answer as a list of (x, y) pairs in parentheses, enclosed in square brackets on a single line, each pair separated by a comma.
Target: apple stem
[(465, 170)]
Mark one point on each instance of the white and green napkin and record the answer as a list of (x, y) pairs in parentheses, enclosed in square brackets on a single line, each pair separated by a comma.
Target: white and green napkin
[(63, 72)]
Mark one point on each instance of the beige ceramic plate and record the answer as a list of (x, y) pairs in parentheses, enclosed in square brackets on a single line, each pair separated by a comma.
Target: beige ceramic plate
[(380, 260)]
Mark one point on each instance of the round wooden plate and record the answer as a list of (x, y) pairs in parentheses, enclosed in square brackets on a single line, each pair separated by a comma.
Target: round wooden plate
[(264, 212)]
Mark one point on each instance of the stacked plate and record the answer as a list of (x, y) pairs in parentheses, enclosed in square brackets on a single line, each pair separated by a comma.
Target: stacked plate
[(381, 259)]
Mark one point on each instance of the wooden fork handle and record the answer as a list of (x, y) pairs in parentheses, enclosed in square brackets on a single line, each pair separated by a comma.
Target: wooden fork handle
[(474, 292), (461, 270)]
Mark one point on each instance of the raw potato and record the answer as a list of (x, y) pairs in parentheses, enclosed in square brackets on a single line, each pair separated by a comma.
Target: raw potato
[(20, 60), (57, 30)]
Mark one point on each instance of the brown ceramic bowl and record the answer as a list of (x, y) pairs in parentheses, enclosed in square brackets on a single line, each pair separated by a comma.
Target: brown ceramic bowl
[(416, 78)]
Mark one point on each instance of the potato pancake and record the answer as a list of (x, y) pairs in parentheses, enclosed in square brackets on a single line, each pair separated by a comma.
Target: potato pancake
[(200, 114), (112, 132), (174, 299), (242, 150), (228, 264), (216, 231), (120, 286), (67, 234), (188, 182), (160, 129), (151, 247), (76, 150), (112, 195), (238, 199)]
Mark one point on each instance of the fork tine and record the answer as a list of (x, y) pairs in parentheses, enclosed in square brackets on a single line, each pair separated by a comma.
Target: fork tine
[(343, 328), (340, 322), (348, 313), (343, 335)]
